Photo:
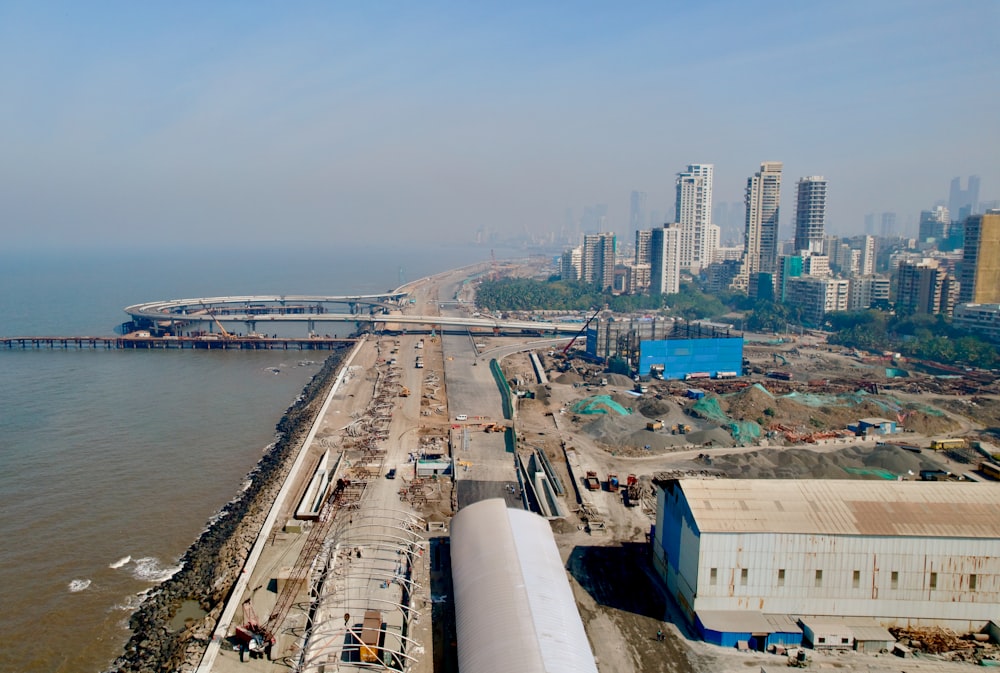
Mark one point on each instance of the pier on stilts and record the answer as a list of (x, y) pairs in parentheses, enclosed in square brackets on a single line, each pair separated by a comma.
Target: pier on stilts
[(171, 343)]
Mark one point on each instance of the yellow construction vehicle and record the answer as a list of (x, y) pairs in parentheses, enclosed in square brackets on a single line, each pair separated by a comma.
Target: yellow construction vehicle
[(222, 330)]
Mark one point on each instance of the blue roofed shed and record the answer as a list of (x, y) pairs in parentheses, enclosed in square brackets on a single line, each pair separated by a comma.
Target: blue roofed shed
[(728, 628), (881, 426)]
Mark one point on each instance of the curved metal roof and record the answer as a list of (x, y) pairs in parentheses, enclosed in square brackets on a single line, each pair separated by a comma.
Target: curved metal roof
[(514, 608)]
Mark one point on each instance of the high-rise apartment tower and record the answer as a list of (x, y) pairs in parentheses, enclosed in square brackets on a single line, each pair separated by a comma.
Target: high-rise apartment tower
[(810, 214), (763, 198), (665, 269), (597, 264), (981, 260), (694, 213)]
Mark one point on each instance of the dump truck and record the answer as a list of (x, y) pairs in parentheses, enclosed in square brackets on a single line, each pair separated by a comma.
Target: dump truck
[(591, 481), (632, 495), (371, 629), (613, 482), (405, 392)]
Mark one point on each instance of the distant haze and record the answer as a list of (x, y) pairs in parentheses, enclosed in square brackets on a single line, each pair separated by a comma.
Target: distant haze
[(182, 123)]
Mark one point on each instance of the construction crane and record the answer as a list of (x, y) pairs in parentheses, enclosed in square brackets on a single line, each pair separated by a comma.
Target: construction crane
[(253, 635), (222, 330), (582, 330)]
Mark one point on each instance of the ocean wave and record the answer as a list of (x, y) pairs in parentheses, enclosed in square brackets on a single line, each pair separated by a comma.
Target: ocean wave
[(120, 562), (132, 603), (215, 518), (78, 585), (151, 569)]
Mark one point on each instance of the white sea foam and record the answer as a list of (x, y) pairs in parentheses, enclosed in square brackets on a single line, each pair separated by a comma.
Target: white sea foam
[(120, 562), (215, 518), (132, 603), (151, 569), (78, 585)]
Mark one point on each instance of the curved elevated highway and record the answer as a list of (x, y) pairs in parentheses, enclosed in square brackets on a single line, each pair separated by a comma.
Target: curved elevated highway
[(255, 310)]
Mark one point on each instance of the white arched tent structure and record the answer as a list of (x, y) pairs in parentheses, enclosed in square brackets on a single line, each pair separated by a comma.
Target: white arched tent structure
[(514, 608)]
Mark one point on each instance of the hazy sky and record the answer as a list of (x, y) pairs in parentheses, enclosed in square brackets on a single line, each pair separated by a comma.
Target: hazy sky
[(168, 123)]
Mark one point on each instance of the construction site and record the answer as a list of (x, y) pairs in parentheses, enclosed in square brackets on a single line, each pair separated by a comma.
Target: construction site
[(352, 570)]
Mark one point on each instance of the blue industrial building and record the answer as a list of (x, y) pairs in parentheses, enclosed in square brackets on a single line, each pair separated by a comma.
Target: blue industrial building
[(669, 349), (704, 357)]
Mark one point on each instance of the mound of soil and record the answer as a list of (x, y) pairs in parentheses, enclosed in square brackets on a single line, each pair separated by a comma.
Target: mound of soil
[(612, 428), (619, 380), (928, 424), (650, 407), (748, 404), (982, 409), (808, 464), (627, 401), (569, 378), (756, 403)]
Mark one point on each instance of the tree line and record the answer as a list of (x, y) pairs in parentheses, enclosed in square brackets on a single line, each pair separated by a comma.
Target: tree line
[(928, 337)]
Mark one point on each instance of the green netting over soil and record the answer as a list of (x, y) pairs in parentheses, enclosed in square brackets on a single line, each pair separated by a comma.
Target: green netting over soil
[(599, 404), (708, 408), (744, 432), (871, 472)]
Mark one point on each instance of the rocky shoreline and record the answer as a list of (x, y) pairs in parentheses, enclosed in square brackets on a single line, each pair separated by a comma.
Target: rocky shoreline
[(212, 564)]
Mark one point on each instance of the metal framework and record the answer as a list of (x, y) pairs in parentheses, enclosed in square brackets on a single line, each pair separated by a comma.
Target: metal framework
[(367, 566)]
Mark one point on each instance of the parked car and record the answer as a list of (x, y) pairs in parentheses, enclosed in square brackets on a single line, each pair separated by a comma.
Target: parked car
[(391, 474)]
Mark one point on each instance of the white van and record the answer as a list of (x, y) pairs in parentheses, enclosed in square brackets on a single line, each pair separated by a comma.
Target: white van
[(462, 417)]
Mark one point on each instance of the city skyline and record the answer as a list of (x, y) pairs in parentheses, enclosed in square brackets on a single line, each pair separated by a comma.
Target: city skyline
[(177, 125)]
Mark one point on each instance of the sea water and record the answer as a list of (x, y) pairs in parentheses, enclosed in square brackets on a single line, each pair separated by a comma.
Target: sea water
[(113, 462)]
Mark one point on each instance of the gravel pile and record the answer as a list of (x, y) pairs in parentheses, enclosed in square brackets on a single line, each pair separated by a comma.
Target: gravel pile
[(856, 462)]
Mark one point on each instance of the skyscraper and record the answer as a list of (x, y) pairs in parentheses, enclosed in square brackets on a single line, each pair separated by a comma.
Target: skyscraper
[(763, 198), (934, 224), (867, 262), (963, 202), (642, 254), (981, 260), (888, 225), (636, 212), (597, 264), (694, 213), (810, 214), (665, 270), (924, 286), (870, 224)]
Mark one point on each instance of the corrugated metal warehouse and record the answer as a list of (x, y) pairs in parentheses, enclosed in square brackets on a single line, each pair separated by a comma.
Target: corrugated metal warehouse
[(900, 552), (514, 608)]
